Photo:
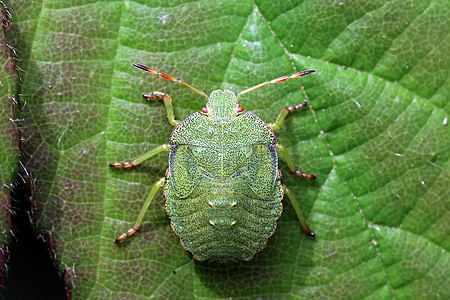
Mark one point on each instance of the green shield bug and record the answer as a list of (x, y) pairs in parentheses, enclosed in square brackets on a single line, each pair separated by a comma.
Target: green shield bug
[(223, 187)]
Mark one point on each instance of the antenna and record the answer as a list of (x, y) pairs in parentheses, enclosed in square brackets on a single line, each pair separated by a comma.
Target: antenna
[(277, 80), (168, 77)]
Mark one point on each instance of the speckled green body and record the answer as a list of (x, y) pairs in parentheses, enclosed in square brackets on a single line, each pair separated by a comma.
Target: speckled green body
[(223, 193)]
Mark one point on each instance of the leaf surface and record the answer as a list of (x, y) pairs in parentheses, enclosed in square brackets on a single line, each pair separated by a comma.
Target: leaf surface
[(9, 137), (374, 133)]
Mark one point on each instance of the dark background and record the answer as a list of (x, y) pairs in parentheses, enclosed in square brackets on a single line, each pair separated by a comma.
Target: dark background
[(32, 274)]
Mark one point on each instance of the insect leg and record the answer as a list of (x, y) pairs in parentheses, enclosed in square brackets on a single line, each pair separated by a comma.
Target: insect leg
[(167, 103), (284, 112), (136, 161), (137, 225), (298, 211), (287, 157)]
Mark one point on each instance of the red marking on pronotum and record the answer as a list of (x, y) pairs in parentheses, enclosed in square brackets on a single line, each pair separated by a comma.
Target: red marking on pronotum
[(6, 24), (240, 109), (204, 110)]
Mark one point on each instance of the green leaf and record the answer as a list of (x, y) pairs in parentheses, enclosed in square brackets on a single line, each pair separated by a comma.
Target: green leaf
[(374, 133), (9, 137)]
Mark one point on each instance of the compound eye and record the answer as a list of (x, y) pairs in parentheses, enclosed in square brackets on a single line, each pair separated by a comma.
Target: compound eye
[(204, 110), (240, 110)]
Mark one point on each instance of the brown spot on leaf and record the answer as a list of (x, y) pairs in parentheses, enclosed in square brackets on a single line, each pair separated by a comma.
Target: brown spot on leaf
[(4, 50), (68, 283), (57, 201), (11, 66), (54, 243)]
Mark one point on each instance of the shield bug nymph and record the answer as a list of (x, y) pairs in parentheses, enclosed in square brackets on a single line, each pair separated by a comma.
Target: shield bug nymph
[(223, 187)]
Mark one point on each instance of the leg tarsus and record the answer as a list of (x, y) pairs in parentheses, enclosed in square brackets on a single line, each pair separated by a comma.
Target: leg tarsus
[(129, 233), (167, 103), (299, 173), (303, 225), (311, 234), (154, 96), (140, 219), (291, 109), (125, 164)]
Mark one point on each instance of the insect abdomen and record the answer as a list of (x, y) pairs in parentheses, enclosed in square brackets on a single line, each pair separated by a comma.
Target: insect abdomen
[(223, 223)]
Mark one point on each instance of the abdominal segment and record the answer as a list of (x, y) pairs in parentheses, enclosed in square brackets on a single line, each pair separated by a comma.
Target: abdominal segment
[(223, 221)]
